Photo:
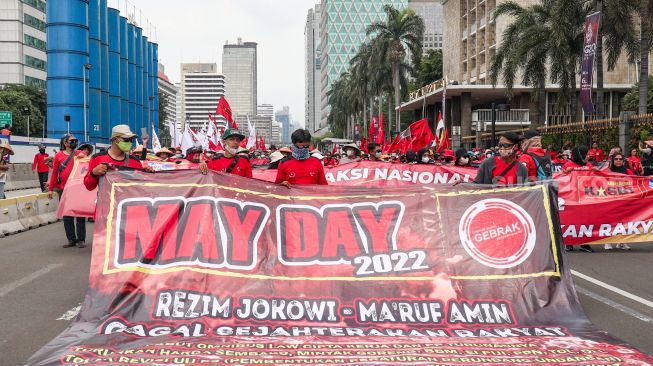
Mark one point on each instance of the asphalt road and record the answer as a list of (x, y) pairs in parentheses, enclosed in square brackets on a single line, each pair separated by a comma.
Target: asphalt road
[(40, 283)]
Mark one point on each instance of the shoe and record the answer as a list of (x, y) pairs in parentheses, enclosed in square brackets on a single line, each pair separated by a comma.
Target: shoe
[(623, 246), (586, 248), (81, 244), (609, 246), (71, 243), (569, 248)]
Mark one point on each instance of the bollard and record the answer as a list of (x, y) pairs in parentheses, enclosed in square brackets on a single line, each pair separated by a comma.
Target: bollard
[(27, 212)]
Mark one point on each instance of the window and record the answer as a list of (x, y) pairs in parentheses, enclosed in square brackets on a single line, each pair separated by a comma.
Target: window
[(35, 62), (37, 4), (34, 42), (34, 22), (30, 81)]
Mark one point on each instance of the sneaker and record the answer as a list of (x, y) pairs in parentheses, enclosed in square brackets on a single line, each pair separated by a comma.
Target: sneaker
[(71, 243), (623, 246), (609, 246), (586, 248), (81, 244)]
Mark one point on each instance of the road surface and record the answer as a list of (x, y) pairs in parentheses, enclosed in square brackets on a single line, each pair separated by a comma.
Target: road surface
[(42, 284)]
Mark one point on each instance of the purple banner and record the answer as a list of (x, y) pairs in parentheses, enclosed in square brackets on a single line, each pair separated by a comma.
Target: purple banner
[(589, 50)]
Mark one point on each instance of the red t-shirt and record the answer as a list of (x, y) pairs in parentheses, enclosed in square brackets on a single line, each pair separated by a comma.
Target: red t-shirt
[(530, 162), (309, 171), (59, 158), (635, 164), (597, 154), (574, 166), (510, 177), (39, 163), (242, 168), (91, 181)]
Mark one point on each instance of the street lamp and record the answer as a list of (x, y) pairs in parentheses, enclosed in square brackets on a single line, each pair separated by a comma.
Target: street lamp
[(84, 69), (502, 108), (26, 112)]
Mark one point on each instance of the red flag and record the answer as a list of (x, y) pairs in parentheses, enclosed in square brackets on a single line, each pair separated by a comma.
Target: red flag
[(263, 148), (224, 110), (311, 148), (364, 145), (394, 145), (380, 135), (372, 131), (415, 137), (335, 149), (243, 142)]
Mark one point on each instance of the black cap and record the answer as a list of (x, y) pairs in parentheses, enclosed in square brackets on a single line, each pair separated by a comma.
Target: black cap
[(531, 133)]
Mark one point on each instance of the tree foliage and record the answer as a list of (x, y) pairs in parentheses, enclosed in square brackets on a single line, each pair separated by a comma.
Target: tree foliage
[(21, 98)]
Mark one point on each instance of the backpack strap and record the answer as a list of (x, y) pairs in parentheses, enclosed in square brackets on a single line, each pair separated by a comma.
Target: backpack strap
[(63, 165), (232, 165), (504, 172)]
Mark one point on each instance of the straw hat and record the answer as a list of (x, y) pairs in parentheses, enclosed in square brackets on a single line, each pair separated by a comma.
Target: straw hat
[(6, 145), (164, 151), (276, 156)]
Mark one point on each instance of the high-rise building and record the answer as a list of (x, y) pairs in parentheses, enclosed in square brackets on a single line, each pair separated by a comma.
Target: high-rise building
[(23, 57), (313, 100), (264, 125), (239, 68), (265, 110), (283, 117), (170, 92), (431, 13), (343, 27), (201, 90)]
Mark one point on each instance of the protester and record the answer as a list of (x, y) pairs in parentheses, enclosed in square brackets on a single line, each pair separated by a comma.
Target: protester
[(115, 158), (285, 151), (231, 161), (375, 152), (302, 168), (330, 160), (165, 155), (275, 159), (41, 167), (411, 157), (5, 151), (75, 227), (85, 149), (646, 148), (352, 154), (424, 156), (578, 160), (318, 155), (596, 153), (6, 131), (462, 158), (448, 157), (635, 163), (618, 165), (536, 160), (503, 169)]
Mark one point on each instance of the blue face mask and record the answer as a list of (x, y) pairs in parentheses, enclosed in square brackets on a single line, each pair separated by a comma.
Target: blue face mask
[(300, 153)]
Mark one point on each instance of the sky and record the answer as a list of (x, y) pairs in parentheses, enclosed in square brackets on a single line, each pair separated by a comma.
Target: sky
[(195, 31)]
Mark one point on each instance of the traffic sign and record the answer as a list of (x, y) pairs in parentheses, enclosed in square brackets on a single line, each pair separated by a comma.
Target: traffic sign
[(6, 118)]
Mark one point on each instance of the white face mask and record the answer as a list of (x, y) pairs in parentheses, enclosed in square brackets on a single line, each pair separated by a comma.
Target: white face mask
[(505, 152), (231, 150), (488, 155), (378, 155), (464, 161), (425, 159), (350, 153)]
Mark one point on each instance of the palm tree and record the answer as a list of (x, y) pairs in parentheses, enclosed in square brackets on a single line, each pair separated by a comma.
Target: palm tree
[(645, 13), (401, 31)]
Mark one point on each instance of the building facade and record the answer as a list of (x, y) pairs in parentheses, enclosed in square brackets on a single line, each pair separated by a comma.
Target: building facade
[(170, 92), (312, 70), (431, 13), (23, 58), (239, 66), (283, 117), (201, 90), (343, 26), (265, 127), (265, 110)]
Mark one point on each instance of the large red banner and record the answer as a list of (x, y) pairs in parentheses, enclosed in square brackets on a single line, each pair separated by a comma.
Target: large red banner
[(192, 269)]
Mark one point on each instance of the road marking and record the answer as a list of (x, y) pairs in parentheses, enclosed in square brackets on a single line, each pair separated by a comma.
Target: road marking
[(4, 290), (70, 314), (614, 304), (619, 291)]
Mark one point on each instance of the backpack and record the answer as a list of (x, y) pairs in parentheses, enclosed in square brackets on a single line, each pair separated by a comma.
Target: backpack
[(543, 165)]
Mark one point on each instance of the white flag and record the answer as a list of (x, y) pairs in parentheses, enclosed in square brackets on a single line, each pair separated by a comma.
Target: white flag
[(251, 142), (156, 144), (187, 140)]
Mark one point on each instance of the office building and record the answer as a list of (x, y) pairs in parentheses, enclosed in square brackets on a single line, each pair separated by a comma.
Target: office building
[(170, 92), (343, 27), (23, 58), (313, 82), (431, 13), (265, 110), (240, 72), (283, 117), (201, 89)]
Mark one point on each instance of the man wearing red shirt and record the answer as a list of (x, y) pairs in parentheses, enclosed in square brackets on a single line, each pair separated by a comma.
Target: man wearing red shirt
[(230, 162), (41, 167), (116, 156), (596, 152), (302, 168), (536, 160)]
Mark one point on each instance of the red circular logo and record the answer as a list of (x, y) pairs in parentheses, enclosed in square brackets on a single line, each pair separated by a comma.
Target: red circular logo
[(497, 233)]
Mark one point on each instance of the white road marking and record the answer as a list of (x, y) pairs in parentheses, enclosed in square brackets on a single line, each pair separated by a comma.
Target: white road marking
[(616, 290), (71, 314), (4, 290), (614, 304)]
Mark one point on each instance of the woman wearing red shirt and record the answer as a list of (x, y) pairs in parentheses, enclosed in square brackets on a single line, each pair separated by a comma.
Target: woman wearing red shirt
[(578, 160), (635, 163), (302, 168), (504, 169), (41, 167), (75, 227)]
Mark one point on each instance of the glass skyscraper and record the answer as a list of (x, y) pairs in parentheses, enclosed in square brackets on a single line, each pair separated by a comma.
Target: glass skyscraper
[(343, 25)]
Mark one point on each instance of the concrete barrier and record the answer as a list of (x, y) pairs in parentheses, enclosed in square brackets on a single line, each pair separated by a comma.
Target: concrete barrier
[(21, 176), (27, 212)]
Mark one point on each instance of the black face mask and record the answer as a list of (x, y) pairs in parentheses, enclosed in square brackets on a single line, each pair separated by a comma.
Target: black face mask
[(41, 151), (73, 145)]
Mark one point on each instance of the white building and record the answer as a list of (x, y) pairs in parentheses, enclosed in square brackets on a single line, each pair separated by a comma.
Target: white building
[(264, 125), (22, 43), (239, 66), (265, 110), (431, 13), (170, 92), (201, 90), (312, 70)]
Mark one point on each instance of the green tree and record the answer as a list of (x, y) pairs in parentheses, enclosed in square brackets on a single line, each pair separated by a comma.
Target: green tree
[(631, 100), (645, 40), (20, 98), (430, 69), (164, 132)]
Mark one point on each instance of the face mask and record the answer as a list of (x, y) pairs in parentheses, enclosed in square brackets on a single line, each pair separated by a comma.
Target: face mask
[(488, 155), (231, 150), (42, 151), (73, 145), (504, 153), (178, 156), (464, 161), (378, 155), (125, 146), (350, 153), (300, 153), (425, 159)]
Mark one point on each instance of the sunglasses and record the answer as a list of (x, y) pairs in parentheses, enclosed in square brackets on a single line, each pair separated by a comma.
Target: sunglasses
[(72, 141), (131, 139), (618, 159), (505, 146)]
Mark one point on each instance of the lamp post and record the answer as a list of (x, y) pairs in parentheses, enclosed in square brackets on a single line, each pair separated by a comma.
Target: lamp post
[(502, 108), (84, 69), (26, 112)]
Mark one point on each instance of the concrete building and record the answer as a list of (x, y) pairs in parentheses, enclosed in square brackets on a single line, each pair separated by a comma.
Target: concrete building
[(170, 92), (265, 110), (201, 90), (239, 66), (470, 43), (343, 26), (264, 125), (23, 58), (431, 13), (283, 117), (313, 82)]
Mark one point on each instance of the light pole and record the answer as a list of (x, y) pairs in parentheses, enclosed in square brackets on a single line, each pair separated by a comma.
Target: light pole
[(86, 67), (26, 112)]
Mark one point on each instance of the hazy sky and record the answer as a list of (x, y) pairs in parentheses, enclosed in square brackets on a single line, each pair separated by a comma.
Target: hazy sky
[(196, 30)]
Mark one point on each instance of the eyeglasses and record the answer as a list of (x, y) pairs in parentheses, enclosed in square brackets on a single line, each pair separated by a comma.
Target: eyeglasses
[(618, 159), (505, 146)]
